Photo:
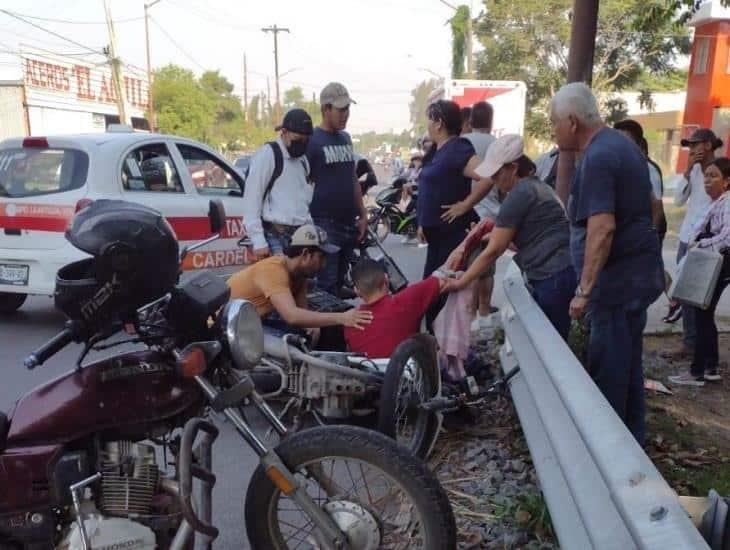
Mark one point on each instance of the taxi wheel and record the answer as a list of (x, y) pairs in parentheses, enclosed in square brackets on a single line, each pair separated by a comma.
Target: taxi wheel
[(11, 302)]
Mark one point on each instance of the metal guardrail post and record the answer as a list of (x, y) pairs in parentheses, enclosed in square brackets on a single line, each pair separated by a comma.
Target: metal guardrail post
[(602, 490)]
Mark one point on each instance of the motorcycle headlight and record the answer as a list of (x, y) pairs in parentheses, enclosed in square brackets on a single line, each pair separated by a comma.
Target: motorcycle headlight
[(243, 332)]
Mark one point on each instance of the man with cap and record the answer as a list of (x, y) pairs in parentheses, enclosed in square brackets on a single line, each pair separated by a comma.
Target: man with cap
[(532, 217), (691, 191), (278, 190), (279, 284), (337, 202)]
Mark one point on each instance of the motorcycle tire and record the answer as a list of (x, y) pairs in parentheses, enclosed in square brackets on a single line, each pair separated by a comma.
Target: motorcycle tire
[(425, 425), (368, 448), (379, 224)]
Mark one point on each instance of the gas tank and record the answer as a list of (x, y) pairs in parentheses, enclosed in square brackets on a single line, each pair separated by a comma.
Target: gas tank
[(126, 396), (389, 196)]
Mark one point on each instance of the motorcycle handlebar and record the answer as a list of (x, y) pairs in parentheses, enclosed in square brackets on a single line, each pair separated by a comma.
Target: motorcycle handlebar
[(50, 348)]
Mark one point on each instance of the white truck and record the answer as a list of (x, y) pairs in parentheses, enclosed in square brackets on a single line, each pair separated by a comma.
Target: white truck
[(508, 97)]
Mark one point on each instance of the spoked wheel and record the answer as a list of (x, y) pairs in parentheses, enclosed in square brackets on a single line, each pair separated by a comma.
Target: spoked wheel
[(376, 492), (411, 378), (379, 224)]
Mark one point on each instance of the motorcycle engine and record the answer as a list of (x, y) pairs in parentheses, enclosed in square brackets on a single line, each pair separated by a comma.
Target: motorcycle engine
[(110, 534), (333, 395), (129, 478)]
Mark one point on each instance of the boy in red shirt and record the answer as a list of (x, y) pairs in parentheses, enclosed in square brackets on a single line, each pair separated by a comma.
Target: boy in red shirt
[(395, 317)]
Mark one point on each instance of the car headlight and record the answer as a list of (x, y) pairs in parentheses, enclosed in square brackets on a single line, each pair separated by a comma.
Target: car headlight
[(244, 333)]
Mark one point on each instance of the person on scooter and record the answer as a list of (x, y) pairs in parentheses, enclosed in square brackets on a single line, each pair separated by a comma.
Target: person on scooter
[(337, 204), (279, 284), (278, 191), (395, 317)]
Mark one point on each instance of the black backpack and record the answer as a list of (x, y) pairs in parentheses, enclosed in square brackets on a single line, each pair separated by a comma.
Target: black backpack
[(278, 167)]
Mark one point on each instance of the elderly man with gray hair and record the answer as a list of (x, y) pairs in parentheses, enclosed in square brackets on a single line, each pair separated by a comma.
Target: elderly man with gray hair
[(614, 248)]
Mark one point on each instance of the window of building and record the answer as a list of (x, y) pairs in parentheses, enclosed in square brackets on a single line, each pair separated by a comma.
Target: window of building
[(702, 55)]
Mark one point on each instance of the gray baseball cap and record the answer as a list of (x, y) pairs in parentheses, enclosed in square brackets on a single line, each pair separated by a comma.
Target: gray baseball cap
[(335, 94)]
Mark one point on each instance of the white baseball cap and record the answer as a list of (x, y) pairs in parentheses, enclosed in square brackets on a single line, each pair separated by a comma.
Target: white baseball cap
[(504, 150), (311, 236)]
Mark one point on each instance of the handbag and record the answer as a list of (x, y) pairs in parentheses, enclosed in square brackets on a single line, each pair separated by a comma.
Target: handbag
[(697, 277)]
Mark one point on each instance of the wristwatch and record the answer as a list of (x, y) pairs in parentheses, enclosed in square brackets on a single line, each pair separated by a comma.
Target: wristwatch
[(580, 293)]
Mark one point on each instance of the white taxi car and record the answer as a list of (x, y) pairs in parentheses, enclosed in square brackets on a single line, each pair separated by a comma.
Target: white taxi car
[(44, 181)]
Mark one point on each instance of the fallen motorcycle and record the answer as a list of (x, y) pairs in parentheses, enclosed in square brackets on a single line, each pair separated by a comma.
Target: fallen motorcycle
[(387, 217), (108, 455), (336, 387)]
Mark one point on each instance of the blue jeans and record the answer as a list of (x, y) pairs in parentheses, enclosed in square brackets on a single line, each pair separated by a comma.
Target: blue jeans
[(344, 235), (553, 295), (614, 359)]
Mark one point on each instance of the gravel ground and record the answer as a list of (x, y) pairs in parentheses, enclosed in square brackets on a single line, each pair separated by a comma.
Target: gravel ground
[(483, 462)]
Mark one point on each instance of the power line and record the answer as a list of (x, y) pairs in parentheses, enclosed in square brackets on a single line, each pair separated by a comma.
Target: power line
[(171, 39), (11, 14), (70, 22)]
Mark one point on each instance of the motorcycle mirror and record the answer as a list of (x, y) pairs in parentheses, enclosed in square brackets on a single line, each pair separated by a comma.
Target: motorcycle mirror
[(216, 215)]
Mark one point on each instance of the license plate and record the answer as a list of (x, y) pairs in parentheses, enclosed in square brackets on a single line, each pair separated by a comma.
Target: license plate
[(14, 274)]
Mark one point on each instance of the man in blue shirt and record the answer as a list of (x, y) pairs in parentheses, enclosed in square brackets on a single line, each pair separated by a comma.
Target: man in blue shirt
[(614, 248), (337, 204)]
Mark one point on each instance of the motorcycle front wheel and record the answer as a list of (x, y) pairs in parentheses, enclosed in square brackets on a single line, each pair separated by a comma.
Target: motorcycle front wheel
[(379, 223), (379, 494)]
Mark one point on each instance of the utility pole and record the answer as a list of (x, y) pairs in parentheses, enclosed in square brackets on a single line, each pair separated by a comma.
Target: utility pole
[(580, 69), (150, 99), (276, 30), (116, 66), (245, 88), (268, 101)]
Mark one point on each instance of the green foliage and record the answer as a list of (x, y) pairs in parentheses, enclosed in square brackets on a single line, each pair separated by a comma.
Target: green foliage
[(458, 41), (294, 98), (529, 41), (418, 104), (370, 141), (182, 106)]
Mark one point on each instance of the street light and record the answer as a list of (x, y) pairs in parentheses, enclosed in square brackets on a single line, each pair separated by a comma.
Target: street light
[(434, 73), (282, 75), (150, 107)]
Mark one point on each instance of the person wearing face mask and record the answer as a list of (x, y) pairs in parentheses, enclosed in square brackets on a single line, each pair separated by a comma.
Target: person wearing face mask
[(278, 187)]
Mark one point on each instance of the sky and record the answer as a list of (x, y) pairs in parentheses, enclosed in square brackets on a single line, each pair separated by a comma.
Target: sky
[(379, 49)]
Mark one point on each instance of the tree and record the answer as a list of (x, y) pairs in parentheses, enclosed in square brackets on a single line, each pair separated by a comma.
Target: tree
[(459, 28), (529, 41), (294, 98), (182, 107), (418, 104)]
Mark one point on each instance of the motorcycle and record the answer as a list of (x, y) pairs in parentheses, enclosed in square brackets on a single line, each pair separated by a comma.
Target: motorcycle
[(387, 217), (108, 455)]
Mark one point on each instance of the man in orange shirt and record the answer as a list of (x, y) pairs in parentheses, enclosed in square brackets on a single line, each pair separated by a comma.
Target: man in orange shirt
[(279, 283)]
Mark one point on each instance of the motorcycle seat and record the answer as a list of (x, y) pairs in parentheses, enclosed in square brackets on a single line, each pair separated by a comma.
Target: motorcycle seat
[(4, 427)]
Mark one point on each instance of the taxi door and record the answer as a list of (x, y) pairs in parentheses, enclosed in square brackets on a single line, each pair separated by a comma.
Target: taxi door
[(209, 176)]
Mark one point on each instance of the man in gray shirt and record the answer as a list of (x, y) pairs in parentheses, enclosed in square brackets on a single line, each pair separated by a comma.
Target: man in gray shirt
[(531, 217)]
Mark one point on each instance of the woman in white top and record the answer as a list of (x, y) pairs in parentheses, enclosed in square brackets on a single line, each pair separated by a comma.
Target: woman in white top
[(712, 231)]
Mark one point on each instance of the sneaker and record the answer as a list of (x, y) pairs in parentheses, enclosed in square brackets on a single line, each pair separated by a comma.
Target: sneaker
[(480, 323), (712, 375), (687, 379)]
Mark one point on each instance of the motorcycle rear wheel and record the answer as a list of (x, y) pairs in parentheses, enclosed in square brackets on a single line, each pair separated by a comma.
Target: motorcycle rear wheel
[(374, 489)]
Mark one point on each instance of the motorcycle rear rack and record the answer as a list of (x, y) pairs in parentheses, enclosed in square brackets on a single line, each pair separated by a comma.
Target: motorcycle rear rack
[(197, 462)]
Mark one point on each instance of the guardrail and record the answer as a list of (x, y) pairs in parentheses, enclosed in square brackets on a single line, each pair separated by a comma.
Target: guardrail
[(602, 490)]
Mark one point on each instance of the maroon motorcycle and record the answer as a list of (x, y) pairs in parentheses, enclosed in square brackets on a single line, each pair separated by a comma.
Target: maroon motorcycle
[(117, 454)]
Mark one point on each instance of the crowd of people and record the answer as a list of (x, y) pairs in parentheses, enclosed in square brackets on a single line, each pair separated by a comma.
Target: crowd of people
[(598, 256)]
